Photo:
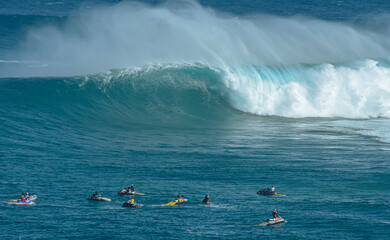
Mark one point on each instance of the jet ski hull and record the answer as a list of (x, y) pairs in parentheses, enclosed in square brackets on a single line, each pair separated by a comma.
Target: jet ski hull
[(128, 205), (122, 192), (100, 199), (265, 192), (22, 203), (274, 221)]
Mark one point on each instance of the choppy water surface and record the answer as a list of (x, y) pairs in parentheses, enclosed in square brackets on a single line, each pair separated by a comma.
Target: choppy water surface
[(211, 98)]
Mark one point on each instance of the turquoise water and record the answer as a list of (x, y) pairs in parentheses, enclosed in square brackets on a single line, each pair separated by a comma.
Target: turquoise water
[(74, 120)]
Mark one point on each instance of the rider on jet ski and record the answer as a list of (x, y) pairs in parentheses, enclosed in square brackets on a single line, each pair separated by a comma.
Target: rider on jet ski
[(131, 202), (95, 195), (274, 214), (130, 189), (206, 199), (180, 198)]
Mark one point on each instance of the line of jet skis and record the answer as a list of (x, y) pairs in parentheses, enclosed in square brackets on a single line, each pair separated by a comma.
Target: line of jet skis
[(181, 199), (130, 191), (29, 198)]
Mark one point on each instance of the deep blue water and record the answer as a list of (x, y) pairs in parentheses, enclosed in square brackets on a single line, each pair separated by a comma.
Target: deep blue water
[(217, 97)]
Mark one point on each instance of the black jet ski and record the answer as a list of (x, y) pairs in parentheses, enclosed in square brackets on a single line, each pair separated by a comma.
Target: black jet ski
[(129, 205), (265, 191)]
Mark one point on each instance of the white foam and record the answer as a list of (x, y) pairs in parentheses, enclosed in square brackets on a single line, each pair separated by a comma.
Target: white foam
[(359, 91)]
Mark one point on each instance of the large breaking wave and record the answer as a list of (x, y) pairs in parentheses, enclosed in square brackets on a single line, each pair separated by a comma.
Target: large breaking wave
[(265, 65)]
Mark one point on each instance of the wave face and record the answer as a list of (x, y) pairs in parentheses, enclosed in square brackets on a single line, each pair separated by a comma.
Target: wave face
[(266, 65), (158, 95)]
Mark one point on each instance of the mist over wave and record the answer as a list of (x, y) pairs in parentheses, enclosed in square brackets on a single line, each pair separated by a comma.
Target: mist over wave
[(265, 65), (133, 34)]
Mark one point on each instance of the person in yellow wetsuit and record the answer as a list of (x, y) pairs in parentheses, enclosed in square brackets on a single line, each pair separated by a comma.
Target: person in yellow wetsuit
[(131, 202)]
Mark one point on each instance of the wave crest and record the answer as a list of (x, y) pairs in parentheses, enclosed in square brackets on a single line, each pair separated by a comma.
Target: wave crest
[(361, 90)]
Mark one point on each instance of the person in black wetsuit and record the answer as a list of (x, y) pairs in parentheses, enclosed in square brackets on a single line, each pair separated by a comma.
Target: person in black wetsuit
[(96, 194), (206, 200)]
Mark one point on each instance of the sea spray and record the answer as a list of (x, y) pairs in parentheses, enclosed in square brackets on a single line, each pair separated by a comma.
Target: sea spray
[(131, 34)]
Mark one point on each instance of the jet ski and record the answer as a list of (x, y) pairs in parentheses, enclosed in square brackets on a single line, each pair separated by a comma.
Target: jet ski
[(129, 205), (126, 192), (273, 221), (181, 200), (99, 198), (28, 202), (32, 197), (29, 197), (265, 191)]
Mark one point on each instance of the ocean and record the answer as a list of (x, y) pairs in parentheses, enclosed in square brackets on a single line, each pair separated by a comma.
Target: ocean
[(195, 97)]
